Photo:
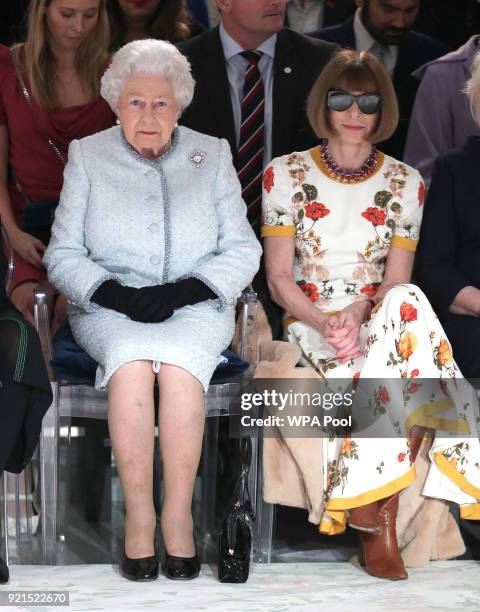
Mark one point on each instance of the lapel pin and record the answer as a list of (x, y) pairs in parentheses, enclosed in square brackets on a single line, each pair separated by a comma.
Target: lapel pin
[(197, 158), (287, 70)]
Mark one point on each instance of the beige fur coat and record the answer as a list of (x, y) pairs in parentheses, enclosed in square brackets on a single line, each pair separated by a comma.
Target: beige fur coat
[(426, 529)]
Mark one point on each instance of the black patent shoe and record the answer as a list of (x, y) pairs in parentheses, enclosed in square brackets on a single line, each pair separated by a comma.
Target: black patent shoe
[(181, 568), (4, 574), (140, 570)]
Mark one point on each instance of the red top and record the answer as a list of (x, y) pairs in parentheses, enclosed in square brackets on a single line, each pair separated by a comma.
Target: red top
[(38, 169)]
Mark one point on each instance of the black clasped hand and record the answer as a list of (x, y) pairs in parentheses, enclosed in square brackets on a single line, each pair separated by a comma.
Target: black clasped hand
[(152, 304)]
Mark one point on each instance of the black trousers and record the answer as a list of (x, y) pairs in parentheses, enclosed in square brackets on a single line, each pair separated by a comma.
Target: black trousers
[(464, 335)]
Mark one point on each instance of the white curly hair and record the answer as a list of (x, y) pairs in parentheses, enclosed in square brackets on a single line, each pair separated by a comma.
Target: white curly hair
[(148, 56)]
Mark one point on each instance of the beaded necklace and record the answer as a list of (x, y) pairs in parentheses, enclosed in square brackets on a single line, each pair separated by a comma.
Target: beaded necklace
[(347, 175)]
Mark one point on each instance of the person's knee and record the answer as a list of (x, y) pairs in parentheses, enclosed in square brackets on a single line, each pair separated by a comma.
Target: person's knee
[(59, 313), (134, 376)]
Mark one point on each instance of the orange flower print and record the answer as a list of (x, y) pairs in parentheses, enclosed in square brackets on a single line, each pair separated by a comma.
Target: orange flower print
[(310, 290), (444, 353), (316, 210), (383, 395), (346, 446), (375, 215), (453, 461), (408, 312), (406, 345), (421, 193), (414, 373), (268, 179), (369, 290), (401, 457)]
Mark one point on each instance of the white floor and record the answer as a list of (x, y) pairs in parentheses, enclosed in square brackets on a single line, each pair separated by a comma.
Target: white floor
[(443, 586)]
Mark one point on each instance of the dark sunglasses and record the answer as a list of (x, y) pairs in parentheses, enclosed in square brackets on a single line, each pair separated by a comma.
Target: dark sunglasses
[(340, 101)]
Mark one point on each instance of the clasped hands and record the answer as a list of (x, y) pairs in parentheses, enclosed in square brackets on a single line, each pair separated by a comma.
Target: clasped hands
[(342, 331), (152, 304)]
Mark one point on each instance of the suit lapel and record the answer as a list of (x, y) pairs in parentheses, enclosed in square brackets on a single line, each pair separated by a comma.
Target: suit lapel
[(345, 35), (218, 88), (405, 85), (286, 76)]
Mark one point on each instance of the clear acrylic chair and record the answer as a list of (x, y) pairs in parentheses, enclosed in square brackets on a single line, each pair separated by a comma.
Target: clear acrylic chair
[(73, 400), (15, 491)]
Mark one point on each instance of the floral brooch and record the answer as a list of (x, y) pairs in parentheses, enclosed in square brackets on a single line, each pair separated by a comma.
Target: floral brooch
[(197, 158)]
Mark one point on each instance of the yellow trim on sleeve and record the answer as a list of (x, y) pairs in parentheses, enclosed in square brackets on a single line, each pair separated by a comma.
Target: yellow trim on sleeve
[(404, 243), (449, 470), (288, 321), (278, 230), (425, 416), (470, 512)]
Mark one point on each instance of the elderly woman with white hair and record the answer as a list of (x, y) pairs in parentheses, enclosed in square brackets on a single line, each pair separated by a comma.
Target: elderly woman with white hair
[(448, 258), (152, 247)]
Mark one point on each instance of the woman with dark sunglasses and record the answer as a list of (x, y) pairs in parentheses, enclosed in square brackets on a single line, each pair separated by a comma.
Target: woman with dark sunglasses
[(341, 225)]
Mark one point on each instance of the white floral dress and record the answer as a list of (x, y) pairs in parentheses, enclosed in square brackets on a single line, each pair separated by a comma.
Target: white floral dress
[(343, 233)]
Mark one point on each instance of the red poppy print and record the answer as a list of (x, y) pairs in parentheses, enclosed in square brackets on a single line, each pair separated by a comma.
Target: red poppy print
[(413, 387), (401, 457), (316, 210), (383, 395), (375, 215), (421, 193), (268, 179), (355, 379), (310, 290), (408, 312), (369, 290), (414, 373)]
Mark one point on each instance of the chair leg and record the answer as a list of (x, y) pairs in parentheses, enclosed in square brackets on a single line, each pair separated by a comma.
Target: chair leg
[(5, 517), (48, 479), (264, 513)]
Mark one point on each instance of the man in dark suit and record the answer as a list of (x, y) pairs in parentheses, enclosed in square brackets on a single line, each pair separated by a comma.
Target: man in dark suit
[(384, 28), (289, 66), (307, 15), (289, 72)]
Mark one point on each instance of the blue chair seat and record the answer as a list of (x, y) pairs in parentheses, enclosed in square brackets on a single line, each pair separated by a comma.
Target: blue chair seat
[(72, 364)]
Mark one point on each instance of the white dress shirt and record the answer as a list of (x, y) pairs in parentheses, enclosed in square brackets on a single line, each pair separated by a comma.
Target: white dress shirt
[(305, 17), (364, 42), (236, 66)]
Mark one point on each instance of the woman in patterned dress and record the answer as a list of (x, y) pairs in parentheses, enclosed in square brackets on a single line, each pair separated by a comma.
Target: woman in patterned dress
[(341, 225)]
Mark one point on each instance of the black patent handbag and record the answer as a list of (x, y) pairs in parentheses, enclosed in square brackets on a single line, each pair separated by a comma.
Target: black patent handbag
[(235, 537)]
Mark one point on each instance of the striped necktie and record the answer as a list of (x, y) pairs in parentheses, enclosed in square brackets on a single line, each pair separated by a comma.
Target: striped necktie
[(250, 149)]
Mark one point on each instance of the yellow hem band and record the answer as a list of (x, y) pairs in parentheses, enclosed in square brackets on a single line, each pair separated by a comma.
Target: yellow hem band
[(470, 512), (425, 416), (335, 524), (449, 470), (392, 487)]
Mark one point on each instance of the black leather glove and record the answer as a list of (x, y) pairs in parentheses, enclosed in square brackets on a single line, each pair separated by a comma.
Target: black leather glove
[(152, 304), (112, 295)]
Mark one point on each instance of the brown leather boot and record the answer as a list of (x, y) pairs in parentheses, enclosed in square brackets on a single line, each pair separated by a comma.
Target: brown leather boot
[(365, 518), (379, 554)]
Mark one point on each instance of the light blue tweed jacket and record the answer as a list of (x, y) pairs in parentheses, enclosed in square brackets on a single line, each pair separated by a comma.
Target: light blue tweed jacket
[(146, 222)]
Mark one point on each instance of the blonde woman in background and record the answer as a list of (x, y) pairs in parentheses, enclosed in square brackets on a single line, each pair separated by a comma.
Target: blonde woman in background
[(49, 96)]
